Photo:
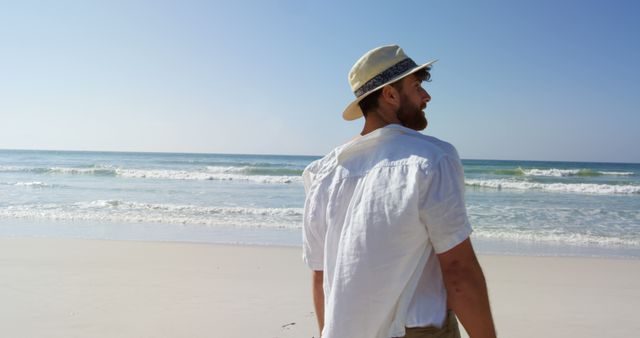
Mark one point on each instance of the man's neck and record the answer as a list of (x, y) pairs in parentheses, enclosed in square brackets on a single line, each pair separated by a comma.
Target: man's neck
[(374, 121)]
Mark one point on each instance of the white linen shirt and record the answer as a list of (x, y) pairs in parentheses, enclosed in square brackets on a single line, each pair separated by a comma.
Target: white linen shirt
[(377, 211)]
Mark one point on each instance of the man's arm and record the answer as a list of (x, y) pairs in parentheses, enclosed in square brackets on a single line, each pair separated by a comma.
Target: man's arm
[(467, 290), (318, 297)]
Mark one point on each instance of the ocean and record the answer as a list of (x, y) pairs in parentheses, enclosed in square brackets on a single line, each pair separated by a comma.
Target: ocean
[(515, 207)]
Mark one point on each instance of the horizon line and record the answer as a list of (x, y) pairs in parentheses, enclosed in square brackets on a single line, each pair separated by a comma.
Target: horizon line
[(289, 155)]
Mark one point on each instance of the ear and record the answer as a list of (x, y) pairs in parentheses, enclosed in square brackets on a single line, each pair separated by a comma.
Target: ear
[(390, 95)]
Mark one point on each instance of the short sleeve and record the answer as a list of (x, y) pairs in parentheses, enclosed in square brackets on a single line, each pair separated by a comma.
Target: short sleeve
[(314, 224), (442, 206)]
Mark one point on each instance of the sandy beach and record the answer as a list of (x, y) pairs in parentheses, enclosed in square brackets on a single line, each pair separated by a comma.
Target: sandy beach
[(87, 288)]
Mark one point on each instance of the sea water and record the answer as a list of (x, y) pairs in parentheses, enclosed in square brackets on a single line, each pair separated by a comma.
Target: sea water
[(515, 207)]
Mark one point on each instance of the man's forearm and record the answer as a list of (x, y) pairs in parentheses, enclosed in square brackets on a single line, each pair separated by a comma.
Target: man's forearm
[(318, 297), (468, 298), (467, 292)]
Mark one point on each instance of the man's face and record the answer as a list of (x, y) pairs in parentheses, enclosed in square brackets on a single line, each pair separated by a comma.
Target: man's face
[(413, 100)]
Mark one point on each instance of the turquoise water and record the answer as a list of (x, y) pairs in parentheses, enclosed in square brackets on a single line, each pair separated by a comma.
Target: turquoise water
[(518, 207)]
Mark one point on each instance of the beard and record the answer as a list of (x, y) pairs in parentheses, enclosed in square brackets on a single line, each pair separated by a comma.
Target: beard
[(412, 116)]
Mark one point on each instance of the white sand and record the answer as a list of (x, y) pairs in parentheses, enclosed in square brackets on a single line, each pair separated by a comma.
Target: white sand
[(563, 297), (81, 288)]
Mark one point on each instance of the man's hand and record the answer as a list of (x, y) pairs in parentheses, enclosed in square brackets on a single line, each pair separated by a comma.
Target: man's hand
[(467, 290)]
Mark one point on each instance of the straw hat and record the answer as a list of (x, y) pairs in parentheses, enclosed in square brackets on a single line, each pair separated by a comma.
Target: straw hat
[(376, 69)]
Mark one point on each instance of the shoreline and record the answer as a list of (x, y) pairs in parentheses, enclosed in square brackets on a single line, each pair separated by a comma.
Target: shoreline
[(107, 288), (269, 236)]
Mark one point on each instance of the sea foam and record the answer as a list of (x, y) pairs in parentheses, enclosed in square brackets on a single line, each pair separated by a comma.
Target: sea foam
[(583, 188), (550, 237), (35, 184), (136, 212), (554, 172)]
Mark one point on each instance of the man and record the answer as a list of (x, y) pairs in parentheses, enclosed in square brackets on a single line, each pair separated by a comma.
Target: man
[(385, 226)]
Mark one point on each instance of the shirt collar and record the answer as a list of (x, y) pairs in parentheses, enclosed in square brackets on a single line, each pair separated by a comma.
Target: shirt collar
[(370, 139)]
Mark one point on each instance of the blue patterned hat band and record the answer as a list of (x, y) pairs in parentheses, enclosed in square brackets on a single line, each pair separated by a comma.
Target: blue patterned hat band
[(386, 76)]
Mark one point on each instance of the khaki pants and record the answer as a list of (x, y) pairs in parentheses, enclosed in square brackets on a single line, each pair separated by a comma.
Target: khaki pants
[(449, 330)]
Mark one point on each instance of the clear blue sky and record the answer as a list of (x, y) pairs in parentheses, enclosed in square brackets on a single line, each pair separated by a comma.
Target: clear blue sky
[(539, 80)]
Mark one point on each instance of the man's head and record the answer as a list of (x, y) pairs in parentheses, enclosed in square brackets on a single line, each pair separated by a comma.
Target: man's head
[(401, 102), (386, 84)]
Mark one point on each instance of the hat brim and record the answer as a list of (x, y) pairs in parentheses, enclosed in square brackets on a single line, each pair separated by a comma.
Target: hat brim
[(353, 111)]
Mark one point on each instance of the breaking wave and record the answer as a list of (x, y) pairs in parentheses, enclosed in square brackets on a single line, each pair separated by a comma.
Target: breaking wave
[(231, 173), (218, 174)]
